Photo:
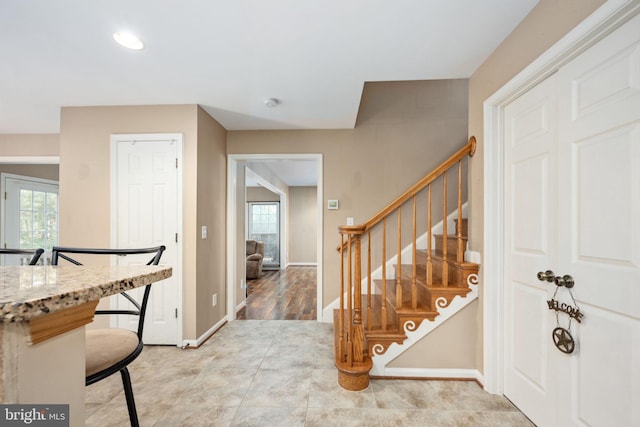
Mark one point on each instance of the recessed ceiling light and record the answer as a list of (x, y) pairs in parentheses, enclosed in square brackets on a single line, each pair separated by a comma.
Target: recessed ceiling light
[(128, 40)]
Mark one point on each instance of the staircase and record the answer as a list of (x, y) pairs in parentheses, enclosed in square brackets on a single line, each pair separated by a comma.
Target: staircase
[(375, 313)]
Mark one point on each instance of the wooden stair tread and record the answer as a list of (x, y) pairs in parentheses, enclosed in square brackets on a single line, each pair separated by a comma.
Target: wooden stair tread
[(424, 300), (376, 315), (450, 236)]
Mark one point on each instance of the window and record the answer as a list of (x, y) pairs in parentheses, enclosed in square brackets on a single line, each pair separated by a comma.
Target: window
[(38, 219), (264, 225)]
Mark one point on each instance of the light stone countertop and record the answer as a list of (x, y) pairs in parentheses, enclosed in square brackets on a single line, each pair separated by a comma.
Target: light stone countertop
[(27, 292)]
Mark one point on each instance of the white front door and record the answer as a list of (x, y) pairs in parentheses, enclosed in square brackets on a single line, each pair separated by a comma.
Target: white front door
[(30, 219), (146, 214), (573, 206)]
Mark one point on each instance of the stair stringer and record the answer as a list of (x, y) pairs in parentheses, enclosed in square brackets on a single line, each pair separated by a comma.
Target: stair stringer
[(415, 334), (407, 256)]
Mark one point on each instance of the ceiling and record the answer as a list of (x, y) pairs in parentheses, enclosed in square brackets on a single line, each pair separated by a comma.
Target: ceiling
[(228, 56), (302, 173)]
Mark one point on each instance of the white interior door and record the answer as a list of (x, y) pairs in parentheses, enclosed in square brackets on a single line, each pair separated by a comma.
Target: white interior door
[(598, 233), (530, 136), (572, 204), (146, 199)]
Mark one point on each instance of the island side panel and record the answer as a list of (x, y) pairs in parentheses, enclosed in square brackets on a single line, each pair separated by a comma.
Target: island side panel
[(50, 372)]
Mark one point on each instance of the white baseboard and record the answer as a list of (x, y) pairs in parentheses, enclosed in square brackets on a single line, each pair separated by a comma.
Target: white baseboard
[(198, 342), (241, 306), (467, 374)]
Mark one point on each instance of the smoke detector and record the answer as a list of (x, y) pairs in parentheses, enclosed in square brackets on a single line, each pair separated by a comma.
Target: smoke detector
[(271, 102)]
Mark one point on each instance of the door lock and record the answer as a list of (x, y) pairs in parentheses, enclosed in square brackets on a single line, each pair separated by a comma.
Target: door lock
[(546, 276), (566, 281)]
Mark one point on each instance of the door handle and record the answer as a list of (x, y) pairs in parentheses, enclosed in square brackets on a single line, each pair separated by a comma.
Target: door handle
[(566, 281), (547, 276)]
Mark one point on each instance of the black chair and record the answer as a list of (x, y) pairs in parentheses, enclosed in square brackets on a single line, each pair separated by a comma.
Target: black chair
[(34, 253), (110, 350)]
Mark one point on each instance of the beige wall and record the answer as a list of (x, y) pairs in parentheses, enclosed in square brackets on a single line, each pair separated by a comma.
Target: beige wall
[(29, 145), (404, 130), (211, 212), (547, 23), (85, 179), (457, 354), (261, 194), (50, 172), (303, 224)]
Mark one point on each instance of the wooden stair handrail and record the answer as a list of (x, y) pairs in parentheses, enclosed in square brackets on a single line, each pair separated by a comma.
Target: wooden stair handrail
[(468, 149)]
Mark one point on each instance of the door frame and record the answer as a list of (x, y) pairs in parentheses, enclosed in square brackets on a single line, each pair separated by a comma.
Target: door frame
[(233, 160), (603, 21), (177, 270)]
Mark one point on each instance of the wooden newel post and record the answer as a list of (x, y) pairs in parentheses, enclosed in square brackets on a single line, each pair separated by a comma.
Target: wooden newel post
[(358, 333), (353, 375)]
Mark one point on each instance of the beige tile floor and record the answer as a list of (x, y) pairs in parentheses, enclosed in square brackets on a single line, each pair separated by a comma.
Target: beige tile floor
[(281, 373)]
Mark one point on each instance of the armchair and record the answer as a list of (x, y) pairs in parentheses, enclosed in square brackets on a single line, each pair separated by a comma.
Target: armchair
[(255, 254)]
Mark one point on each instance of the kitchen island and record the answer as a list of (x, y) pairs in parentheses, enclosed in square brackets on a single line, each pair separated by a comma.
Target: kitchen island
[(43, 313)]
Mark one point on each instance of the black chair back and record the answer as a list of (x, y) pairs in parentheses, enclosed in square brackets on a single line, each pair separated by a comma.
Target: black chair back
[(59, 252), (33, 253)]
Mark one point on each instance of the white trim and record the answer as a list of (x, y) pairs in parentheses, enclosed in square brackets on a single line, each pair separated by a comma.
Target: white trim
[(202, 338), (232, 182), (603, 21), (380, 362), (30, 160), (240, 306), (309, 264), (177, 138), (232, 169), (463, 374)]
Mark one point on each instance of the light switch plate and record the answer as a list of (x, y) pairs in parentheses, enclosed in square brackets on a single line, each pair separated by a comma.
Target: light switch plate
[(204, 231), (350, 220)]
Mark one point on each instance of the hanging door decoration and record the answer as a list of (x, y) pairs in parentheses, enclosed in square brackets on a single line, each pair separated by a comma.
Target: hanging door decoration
[(561, 336)]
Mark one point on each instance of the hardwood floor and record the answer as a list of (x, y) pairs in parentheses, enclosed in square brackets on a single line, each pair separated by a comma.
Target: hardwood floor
[(282, 295)]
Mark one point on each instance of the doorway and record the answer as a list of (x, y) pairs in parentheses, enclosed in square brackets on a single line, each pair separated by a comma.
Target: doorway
[(236, 224)]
